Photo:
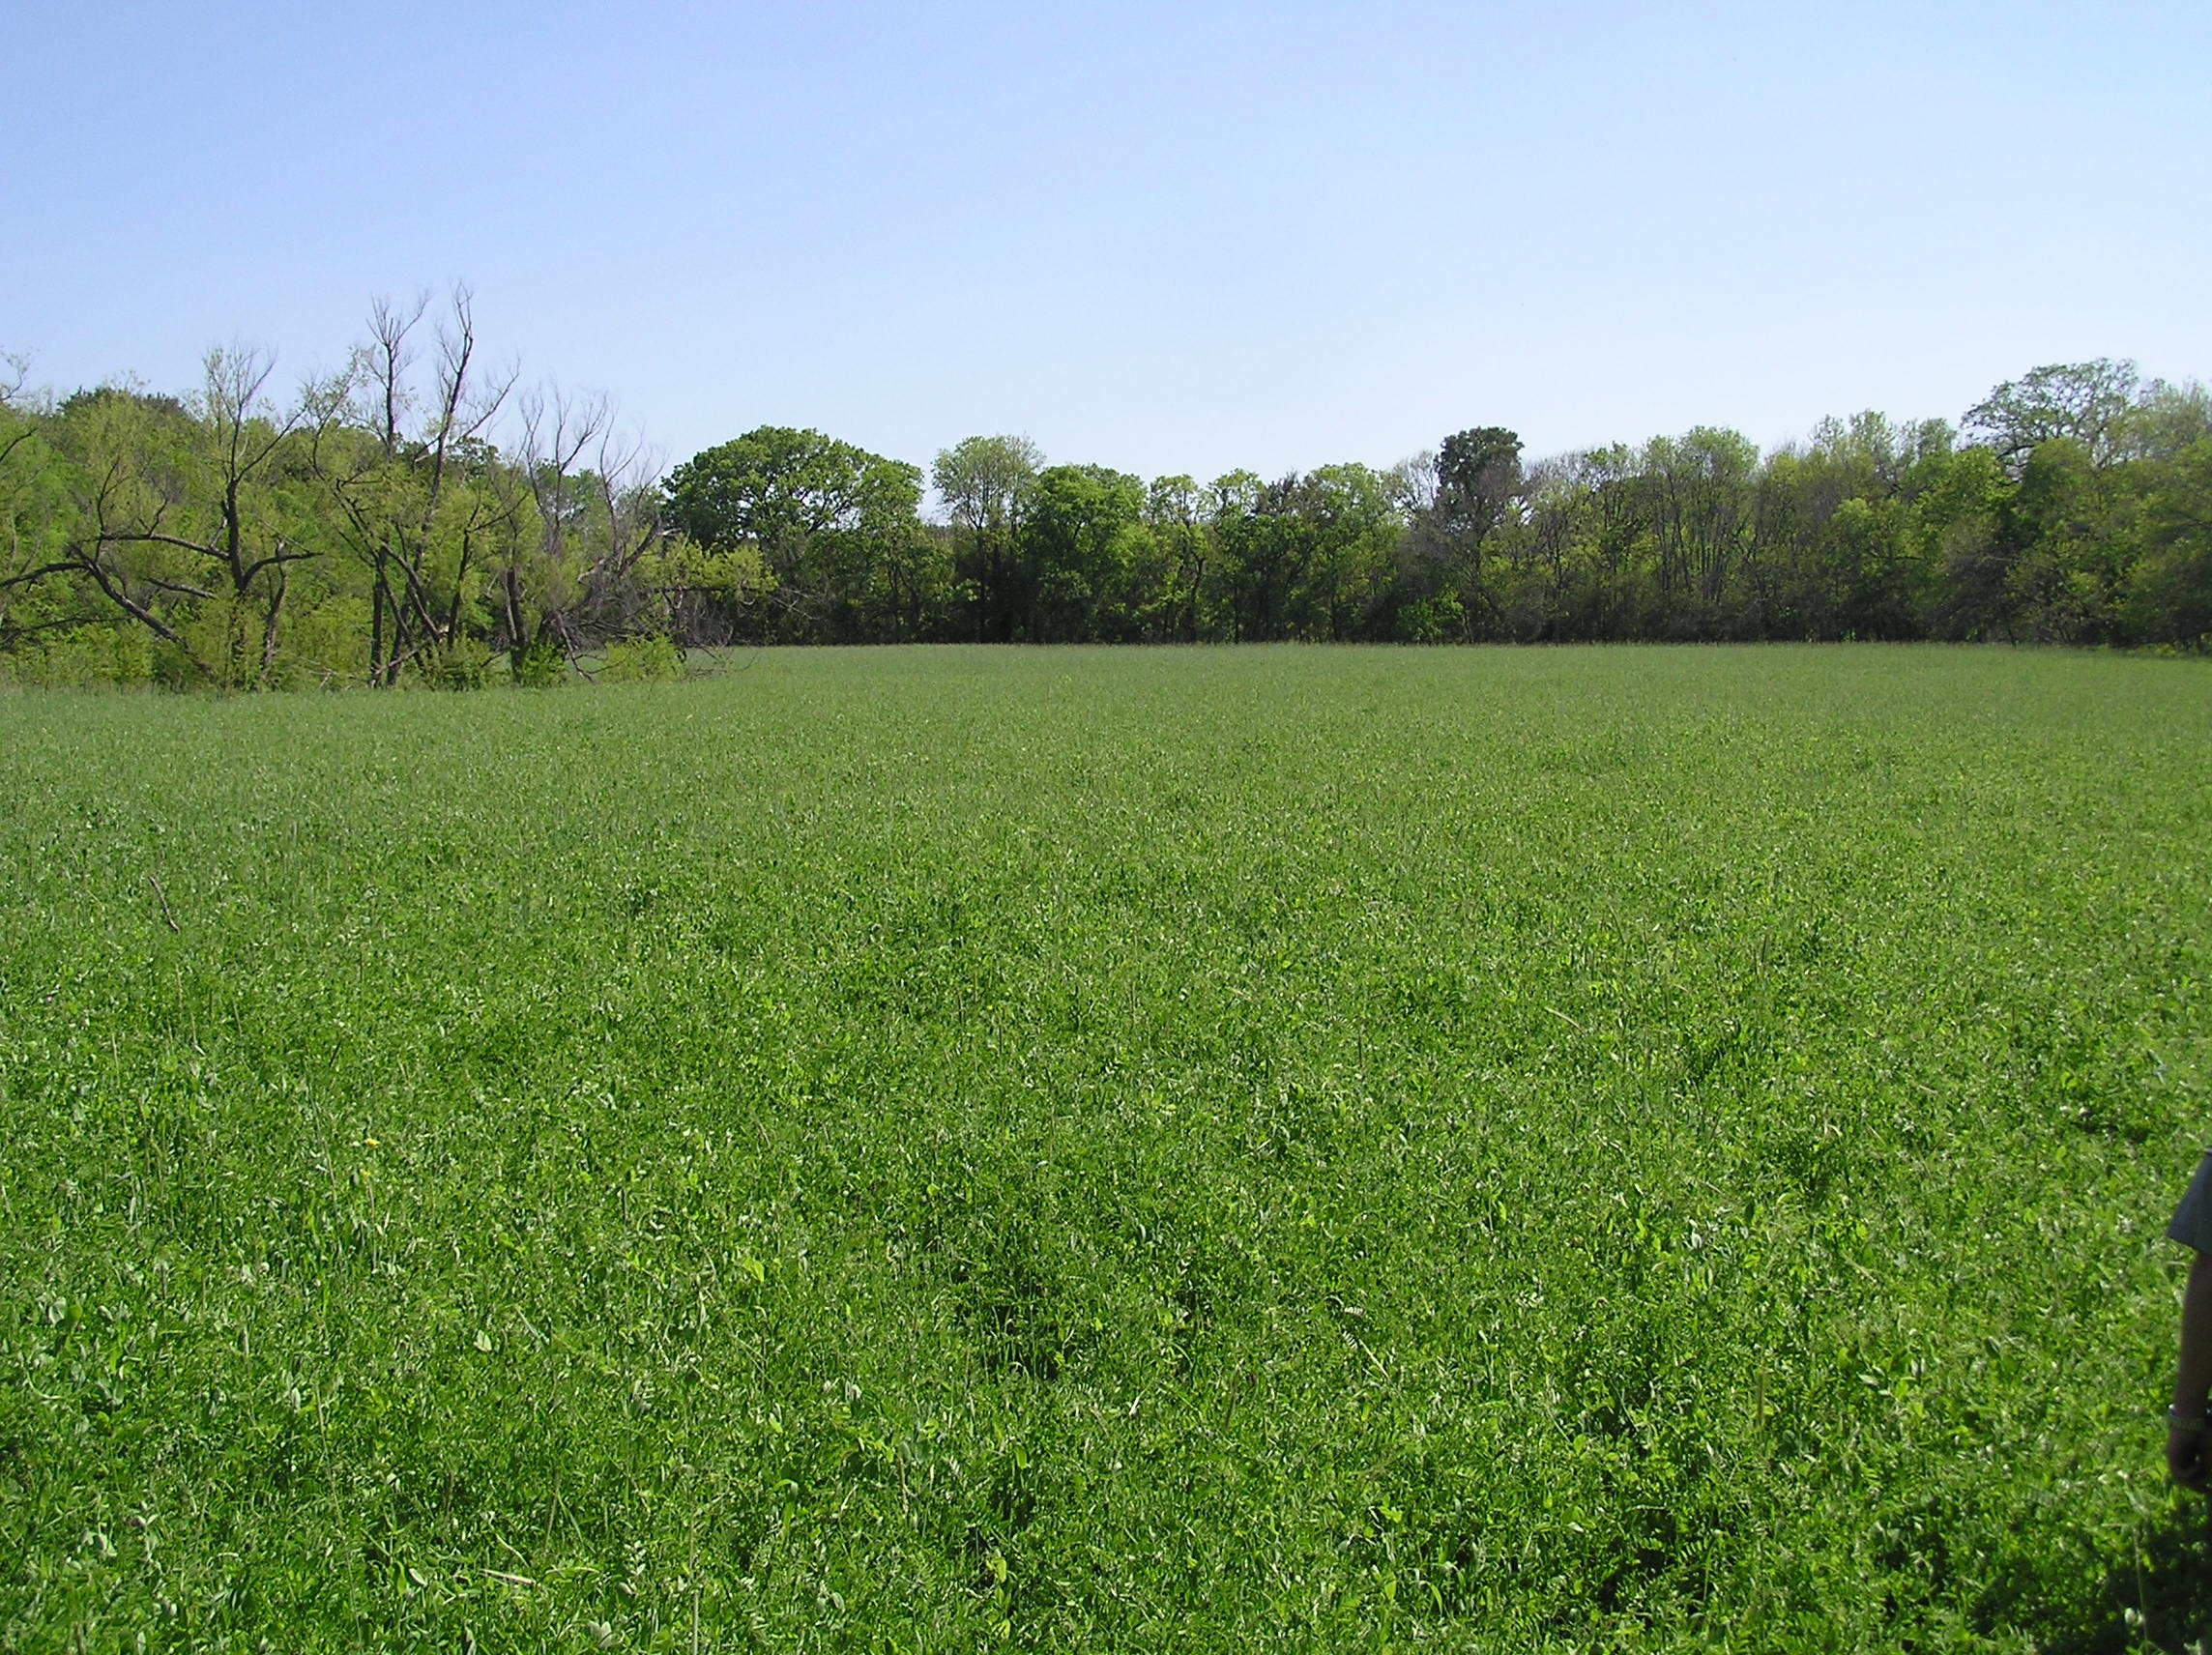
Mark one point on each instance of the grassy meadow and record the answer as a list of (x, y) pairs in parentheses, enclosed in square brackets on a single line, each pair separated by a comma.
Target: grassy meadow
[(943, 1150)]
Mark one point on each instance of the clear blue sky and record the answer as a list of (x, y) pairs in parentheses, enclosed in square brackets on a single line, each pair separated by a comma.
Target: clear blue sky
[(1162, 237)]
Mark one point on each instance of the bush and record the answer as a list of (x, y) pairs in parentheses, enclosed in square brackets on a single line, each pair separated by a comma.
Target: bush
[(654, 659), (326, 643), (88, 655), (462, 664), (1436, 620), (541, 664)]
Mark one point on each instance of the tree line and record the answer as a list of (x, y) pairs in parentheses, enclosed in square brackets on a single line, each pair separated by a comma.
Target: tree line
[(420, 517)]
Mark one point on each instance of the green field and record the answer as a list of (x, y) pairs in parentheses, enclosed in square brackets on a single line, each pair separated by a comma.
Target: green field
[(1146, 1150)]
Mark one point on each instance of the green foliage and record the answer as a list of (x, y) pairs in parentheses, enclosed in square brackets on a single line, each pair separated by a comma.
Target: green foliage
[(322, 541), (2171, 598), (775, 485), (83, 656), (1079, 549), (654, 659), (1478, 474), (2091, 405), (987, 484), (1208, 1149), (1438, 618), (540, 664), (327, 644), (833, 524), (462, 664)]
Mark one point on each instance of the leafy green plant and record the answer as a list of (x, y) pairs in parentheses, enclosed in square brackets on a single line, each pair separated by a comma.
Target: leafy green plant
[(1204, 1149), (462, 664), (541, 665), (654, 659)]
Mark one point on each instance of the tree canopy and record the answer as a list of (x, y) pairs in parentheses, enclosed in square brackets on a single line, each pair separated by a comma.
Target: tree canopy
[(419, 518)]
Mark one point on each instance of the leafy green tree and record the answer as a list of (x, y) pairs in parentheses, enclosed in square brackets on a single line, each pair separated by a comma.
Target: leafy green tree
[(37, 610), (1262, 552), (2067, 536), (2092, 403), (1696, 493), (1308, 556), (188, 520), (1079, 545), (2167, 419), (1182, 553), (1833, 552), (1542, 557), (2169, 600), (1458, 501), (1477, 476), (837, 528), (1354, 528), (987, 484), (1963, 523)]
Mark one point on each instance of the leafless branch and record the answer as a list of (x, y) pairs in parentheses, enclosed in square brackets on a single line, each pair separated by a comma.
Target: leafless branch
[(558, 426), (236, 378), (390, 357)]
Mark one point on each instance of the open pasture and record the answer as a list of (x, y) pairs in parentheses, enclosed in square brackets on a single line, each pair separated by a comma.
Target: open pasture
[(934, 1149)]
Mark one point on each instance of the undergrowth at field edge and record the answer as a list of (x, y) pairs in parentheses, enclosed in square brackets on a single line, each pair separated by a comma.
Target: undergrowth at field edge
[(924, 1149)]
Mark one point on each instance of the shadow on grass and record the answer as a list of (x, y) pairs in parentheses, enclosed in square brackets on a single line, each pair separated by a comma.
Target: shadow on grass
[(2163, 1600)]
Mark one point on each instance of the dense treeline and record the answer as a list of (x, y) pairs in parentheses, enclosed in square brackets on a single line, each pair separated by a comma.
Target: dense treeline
[(371, 531)]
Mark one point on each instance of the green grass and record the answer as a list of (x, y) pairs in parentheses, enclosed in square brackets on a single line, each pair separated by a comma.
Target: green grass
[(1154, 1150)]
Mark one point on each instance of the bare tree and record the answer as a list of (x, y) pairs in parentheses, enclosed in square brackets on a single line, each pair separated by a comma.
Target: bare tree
[(395, 497), (467, 401), (598, 517), (387, 359), (630, 512), (558, 427), (14, 381)]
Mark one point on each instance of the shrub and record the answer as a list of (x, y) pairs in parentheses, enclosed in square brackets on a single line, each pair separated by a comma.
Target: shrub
[(541, 664), (88, 655), (462, 664), (654, 659)]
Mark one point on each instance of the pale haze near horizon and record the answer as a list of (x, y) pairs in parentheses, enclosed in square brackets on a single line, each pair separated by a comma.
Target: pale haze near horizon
[(1164, 239)]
